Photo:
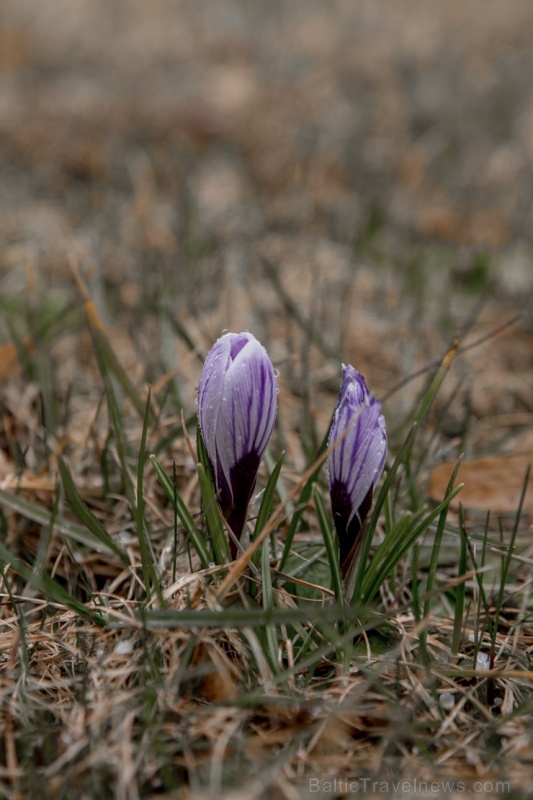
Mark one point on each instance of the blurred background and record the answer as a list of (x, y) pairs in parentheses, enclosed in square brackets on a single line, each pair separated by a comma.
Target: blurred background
[(352, 181)]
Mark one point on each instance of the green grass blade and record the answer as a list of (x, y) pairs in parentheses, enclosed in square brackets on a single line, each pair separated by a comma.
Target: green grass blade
[(149, 571), (488, 619), (267, 500), (67, 528), (508, 557), (332, 549), (389, 553), (213, 517), (461, 588), (415, 588), (18, 608), (41, 558), (85, 514), (376, 511), (436, 383), (402, 455), (268, 603), (175, 525), (434, 560), (215, 526), (120, 439), (45, 584), (254, 616), (386, 553), (281, 486), (203, 458), (147, 559), (304, 498), (183, 513), (266, 506)]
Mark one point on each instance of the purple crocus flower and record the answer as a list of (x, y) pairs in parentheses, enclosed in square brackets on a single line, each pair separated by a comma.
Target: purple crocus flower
[(355, 463), (236, 411)]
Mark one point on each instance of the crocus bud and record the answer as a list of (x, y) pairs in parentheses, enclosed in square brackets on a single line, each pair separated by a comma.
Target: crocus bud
[(359, 446), (236, 411)]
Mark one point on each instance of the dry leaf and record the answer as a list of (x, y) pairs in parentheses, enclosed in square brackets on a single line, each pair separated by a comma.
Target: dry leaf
[(9, 356), (493, 483), (217, 684)]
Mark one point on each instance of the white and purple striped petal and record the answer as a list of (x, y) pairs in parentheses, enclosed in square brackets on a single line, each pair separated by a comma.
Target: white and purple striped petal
[(359, 447), (237, 399)]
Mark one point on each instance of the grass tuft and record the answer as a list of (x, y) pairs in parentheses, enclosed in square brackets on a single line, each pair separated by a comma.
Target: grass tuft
[(134, 647)]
